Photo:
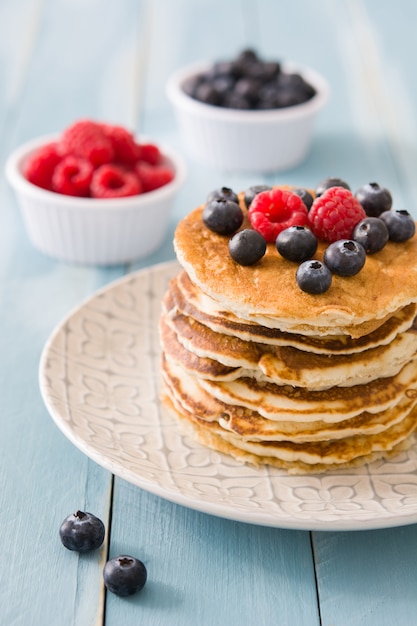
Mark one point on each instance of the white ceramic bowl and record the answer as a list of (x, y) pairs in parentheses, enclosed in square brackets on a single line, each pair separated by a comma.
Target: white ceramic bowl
[(93, 231), (247, 141)]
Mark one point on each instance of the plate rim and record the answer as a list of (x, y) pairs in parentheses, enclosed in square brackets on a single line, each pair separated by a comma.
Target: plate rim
[(178, 497)]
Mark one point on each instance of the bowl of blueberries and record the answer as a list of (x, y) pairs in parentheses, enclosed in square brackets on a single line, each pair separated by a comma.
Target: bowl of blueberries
[(247, 114)]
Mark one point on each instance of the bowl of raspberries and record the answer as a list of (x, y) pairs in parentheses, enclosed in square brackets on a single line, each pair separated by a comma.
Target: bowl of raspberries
[(95, 194), (247, 114)]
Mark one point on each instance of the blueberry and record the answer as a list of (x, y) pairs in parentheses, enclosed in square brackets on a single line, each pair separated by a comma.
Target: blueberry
[(374, 199), (224, 69), (223, 216), (206, 93), (345, 257), (223, 85), (237, 101), (82, 532), (371, 233), (247, 64), (248, 55), (247, 247), (247, 88), (223, 193), (190, 85), (253, 191), (124, 575), (400, 224), (268, 97), (287, 97), (296, 243), (305, 196), (330, 182), (293, 89), (313, 277), (270, 70)]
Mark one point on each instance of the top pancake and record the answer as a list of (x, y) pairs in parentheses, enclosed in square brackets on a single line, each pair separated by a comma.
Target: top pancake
[(267, 293)]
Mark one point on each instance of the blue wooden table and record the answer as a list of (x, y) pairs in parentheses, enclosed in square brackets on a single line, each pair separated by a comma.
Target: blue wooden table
[(62, 60)]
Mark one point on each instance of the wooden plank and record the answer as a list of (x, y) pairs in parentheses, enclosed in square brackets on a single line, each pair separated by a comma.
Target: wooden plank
[(367, 577), (394, 49), (203, 570), (22, 18), (370, 577), (64, 60), (206, 570)]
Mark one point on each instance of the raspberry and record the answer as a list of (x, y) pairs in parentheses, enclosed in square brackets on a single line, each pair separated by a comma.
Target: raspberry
[(41, 164), (125, 148), (72, 176), (153, 176), (87, 139), (273, 211), (334, 214), (112, 181), (150, 153)]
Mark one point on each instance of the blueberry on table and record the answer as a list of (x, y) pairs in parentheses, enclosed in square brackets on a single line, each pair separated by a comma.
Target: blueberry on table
[(223, 193), (296, 243), (252, 192), (313, 277), (82, 532), (374, 199), (222, 216), (124, 575), (371, 233), (247, 247), (345, 257), (327, 183), (400, 224)]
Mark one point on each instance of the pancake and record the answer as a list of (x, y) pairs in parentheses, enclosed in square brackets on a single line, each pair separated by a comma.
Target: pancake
[(267, 293), (288, 365), (250, 425), (207, 434), (284, 402), (256, 368), (339, 451), (204, 367), (186, 298)]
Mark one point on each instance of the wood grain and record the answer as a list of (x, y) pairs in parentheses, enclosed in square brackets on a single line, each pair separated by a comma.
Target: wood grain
[(67, 59)]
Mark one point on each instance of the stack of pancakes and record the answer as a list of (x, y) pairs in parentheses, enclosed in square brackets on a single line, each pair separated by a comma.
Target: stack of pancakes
[(256, 368)]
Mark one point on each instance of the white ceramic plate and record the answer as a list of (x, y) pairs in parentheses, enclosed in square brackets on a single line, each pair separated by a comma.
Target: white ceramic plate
[(99, 378)]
